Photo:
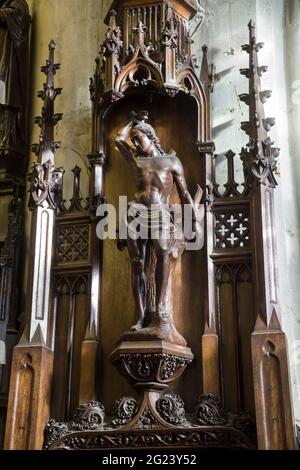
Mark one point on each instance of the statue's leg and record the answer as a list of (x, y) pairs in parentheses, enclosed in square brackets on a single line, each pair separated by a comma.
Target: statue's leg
[(137, 251), (162, 275)]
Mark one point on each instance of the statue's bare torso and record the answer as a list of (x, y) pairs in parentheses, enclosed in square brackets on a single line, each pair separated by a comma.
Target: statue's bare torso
[(154, 179)]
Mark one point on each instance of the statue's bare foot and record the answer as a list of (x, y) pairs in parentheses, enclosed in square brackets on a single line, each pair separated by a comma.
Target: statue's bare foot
[(137, 326)]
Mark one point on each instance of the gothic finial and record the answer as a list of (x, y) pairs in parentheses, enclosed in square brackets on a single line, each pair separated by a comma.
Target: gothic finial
[(140, 34), (52, 45), (260, 158), (231, 187), (48, 119), (251, 24), (112, 21)]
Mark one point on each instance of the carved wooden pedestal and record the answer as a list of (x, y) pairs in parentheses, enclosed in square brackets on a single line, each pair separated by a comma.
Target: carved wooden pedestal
[(151, 365), (158, 419)]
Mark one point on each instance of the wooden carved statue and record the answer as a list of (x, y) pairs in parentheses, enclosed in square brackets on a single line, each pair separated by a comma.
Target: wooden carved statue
[(14, 35), (154, 232)]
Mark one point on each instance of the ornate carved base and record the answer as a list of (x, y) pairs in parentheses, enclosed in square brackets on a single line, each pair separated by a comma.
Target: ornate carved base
[(159, 421), (151, 365), (159, 418)]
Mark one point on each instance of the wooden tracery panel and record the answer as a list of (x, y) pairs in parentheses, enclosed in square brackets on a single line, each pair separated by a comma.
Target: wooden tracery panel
[(70, 326), (71, 298), (236, 323)]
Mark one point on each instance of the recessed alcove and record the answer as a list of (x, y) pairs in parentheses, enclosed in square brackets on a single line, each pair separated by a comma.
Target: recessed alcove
[(175, 122)]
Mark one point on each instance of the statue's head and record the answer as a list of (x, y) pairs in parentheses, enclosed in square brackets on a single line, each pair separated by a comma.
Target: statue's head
[(141, 140), (142, 134)]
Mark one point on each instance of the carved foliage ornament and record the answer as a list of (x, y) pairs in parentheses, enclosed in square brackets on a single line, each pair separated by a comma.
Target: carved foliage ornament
[(88, 430), (113, 42), (210, 412), (117, 70), (171, 408), (125, 410), (161, 368), (169, 35), (90, 416), (156, 438), (87, 417), (45, 184), (260, 159)]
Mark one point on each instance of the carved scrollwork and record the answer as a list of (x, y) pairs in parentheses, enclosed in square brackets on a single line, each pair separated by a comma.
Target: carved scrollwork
[(169, 34), (147, 420), (90, 415), (142, 366), (171, 408), (170, 366), (209, 411), (149, 426), (112, 43), (160, 368), (54, 431), (260, 161), (188, 438), (125, 410), (87, 417), (45, 184)]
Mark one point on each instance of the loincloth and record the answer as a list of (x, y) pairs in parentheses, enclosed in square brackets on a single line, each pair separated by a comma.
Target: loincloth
[(155, 223)]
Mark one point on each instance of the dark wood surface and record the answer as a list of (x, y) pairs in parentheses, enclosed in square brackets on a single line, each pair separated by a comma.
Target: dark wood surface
[(219, 292)]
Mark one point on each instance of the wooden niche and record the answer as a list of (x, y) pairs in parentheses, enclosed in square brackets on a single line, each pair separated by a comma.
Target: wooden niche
[(175, 121), (163, 80)]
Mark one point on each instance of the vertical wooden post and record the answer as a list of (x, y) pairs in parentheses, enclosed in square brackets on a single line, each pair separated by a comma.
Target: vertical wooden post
[(210, 340), (275, 427), (31, 376), (90, 345), (110, 50), (170, 45), (89, 366)]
